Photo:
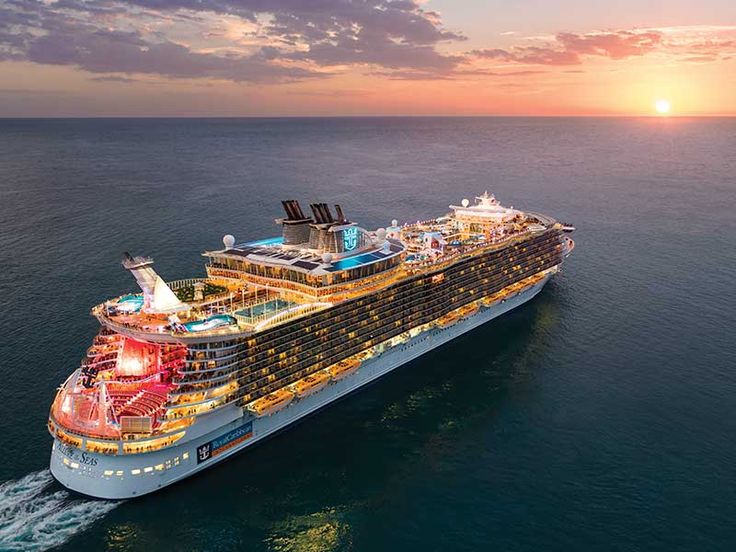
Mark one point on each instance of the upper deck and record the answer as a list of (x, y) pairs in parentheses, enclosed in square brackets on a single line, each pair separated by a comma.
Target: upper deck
[(318, 262)]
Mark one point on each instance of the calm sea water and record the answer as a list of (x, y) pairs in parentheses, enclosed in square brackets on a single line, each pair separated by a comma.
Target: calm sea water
[(600, 416)]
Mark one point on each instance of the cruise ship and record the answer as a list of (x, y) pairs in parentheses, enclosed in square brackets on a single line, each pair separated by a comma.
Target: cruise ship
[(183, 374)]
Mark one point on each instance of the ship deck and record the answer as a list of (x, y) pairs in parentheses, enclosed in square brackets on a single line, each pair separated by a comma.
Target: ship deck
[(242, 308)]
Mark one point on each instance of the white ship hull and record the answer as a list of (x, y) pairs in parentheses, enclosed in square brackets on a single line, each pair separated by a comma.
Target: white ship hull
[(218, 435)]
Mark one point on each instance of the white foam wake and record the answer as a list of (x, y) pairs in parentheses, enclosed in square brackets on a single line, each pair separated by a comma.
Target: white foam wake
[(33, 518)]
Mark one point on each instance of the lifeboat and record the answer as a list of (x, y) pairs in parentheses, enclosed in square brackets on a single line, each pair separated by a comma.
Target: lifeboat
[(311, 384), (470, 310), (364, 355), (400, 339), (344, 368), (448, 320), (271, 403), (489, 301)]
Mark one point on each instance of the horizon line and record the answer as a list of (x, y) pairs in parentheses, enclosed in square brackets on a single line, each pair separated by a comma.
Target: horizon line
[(385, 116)]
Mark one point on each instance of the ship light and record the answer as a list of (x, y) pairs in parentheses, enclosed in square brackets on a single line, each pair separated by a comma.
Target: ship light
[(131, 366)]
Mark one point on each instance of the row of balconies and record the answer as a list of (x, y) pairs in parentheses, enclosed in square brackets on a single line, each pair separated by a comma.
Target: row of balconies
[(333, 314), (406, 322), (398, 306)]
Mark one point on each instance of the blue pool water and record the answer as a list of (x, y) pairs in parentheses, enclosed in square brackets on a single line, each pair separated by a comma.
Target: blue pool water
[(130, 303), (268, 241), (216, 321), (357, 260)]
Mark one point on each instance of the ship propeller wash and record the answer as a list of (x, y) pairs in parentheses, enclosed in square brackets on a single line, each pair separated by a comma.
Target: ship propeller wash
[(186, 373)]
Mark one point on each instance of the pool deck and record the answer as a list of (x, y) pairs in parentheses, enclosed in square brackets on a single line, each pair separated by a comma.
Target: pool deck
[(243, 320)]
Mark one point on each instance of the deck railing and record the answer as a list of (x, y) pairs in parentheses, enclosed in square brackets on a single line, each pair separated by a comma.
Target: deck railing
[(179, 284)]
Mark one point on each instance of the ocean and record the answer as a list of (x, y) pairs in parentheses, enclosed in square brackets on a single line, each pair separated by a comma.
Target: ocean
[(599, 416)]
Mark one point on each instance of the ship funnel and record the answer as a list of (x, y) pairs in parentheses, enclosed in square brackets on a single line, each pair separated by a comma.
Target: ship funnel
[(293, 210), (340, 215), (327, 213), (322, 214), (319, 215), (295, 225)]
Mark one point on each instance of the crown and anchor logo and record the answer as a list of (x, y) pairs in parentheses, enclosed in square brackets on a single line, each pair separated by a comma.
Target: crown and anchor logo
[(204, 452)]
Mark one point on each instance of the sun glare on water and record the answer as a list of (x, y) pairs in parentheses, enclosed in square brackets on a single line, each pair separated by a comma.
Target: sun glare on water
[(662, 106)]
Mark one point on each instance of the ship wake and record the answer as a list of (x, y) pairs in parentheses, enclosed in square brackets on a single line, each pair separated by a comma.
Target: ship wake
[(34, 517)]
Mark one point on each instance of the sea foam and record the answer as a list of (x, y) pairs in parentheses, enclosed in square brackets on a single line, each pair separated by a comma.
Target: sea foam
[(34, 517)]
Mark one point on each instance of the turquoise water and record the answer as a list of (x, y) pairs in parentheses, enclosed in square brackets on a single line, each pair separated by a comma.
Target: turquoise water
[(598, 417), (267, 241), (131, 303), (356, 260), (216, 321)]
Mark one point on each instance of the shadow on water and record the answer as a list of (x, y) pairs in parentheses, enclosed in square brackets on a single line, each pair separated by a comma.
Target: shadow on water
[(305, 488)]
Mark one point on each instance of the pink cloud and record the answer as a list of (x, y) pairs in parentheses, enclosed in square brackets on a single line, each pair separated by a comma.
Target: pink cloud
[(530, 54), (615, 45), (569, 48)]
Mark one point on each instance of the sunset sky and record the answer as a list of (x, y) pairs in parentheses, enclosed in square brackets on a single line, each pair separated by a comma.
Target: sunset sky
[(370, 57)]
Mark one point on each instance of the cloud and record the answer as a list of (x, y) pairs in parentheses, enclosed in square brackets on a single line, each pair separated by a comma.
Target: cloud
[(29, 92), (460, 73), (102, 51), (570, 48), (274, 41), (113, 78), (700, 59), (692, 44), (409, 75), (295, 39), (706, 50), (533, 55), (342, 93), (616, 45)]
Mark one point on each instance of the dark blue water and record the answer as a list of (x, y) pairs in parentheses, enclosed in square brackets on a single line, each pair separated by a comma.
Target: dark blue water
[(600, 416)]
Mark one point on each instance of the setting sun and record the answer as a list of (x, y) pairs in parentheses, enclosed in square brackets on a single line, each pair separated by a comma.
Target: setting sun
[(662, 106)]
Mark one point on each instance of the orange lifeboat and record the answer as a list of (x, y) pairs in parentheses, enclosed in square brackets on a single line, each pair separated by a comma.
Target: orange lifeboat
[(470, 310), (448, 320), (344, 368), (490, 300), (311, 384), (271, 403)]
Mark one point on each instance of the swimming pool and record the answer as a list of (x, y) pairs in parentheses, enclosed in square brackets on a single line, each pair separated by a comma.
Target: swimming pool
[(359, 260), (216, 321), (268, 241), (262, 309), (130, 303)]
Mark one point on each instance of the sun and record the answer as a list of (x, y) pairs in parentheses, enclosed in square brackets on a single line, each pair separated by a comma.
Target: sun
[(662, 106)]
